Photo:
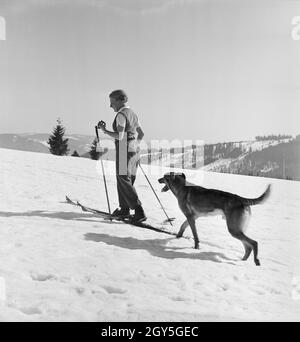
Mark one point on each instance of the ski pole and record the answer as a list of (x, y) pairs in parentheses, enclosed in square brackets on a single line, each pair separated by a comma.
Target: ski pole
[(168, 218), (103, 173)]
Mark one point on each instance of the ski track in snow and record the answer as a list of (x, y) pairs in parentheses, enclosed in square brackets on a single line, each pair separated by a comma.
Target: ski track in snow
[(61, 264)]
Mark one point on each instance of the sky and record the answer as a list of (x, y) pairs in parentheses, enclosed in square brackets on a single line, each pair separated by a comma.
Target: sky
[(193, 69)]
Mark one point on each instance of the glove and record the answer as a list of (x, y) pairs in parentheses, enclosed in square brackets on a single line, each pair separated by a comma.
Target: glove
[(101, 125)]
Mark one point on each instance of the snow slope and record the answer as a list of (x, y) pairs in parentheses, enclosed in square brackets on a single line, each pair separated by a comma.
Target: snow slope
[(60, 264)]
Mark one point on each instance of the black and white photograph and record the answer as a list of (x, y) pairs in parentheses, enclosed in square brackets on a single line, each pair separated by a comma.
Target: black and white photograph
[(149, 162)]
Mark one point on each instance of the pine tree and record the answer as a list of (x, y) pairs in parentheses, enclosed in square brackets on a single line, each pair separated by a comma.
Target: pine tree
[(58, 145), (75, 154), (93, 151)]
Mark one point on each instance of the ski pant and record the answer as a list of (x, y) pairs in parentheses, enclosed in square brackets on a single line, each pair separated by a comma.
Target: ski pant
[(126, 168)]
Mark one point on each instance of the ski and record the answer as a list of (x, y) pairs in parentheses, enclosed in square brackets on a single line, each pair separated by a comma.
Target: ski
[(85, 208), (107, 216)]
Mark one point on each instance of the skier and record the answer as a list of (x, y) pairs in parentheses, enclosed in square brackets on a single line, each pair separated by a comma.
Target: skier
[(127, 134)]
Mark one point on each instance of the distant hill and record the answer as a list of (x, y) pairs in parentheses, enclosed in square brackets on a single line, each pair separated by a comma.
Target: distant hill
[(24, 142), (276, 157), (38, 142), (281, 161)]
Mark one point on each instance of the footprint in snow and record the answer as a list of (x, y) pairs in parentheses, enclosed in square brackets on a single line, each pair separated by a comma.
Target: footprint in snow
[(31, 311), (113, 290), (80, 290), (42, 277), (179, 299)]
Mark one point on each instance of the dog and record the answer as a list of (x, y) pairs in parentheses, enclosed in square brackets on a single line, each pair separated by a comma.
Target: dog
[(195, 201)]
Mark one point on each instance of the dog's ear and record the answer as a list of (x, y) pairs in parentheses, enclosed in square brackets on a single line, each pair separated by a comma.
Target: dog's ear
[(172, 174), (183, 176)]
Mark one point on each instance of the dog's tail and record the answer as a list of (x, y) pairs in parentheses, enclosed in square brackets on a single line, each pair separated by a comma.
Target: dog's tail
[(258, 200)]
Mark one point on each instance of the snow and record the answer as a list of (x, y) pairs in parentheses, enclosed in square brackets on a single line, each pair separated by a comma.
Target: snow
[(218, 164), (61, 264)]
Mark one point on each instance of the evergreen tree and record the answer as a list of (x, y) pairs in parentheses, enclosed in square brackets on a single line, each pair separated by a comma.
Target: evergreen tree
[(93, 151), (58, 145), (75, 154)]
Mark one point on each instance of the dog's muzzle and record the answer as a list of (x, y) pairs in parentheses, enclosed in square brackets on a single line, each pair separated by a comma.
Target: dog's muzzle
[(165, 188)]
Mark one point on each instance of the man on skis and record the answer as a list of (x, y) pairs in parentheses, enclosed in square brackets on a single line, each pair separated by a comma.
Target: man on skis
[(127, 133)]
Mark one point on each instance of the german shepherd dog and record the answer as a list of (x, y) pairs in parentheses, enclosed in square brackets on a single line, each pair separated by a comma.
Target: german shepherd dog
[(195, 201)]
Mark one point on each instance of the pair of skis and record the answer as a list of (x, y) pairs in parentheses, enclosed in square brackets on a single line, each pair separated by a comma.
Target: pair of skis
[(107, 216)]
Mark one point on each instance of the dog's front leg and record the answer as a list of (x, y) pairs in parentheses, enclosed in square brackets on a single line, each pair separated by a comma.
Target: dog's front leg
[(191, 221), (182, 229)]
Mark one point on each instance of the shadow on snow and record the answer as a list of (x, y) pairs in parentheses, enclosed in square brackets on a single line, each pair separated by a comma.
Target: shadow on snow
[(63, 215), (157, 247)]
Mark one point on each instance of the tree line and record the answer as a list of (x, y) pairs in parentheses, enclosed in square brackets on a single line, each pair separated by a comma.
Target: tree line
[(273, 137)]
